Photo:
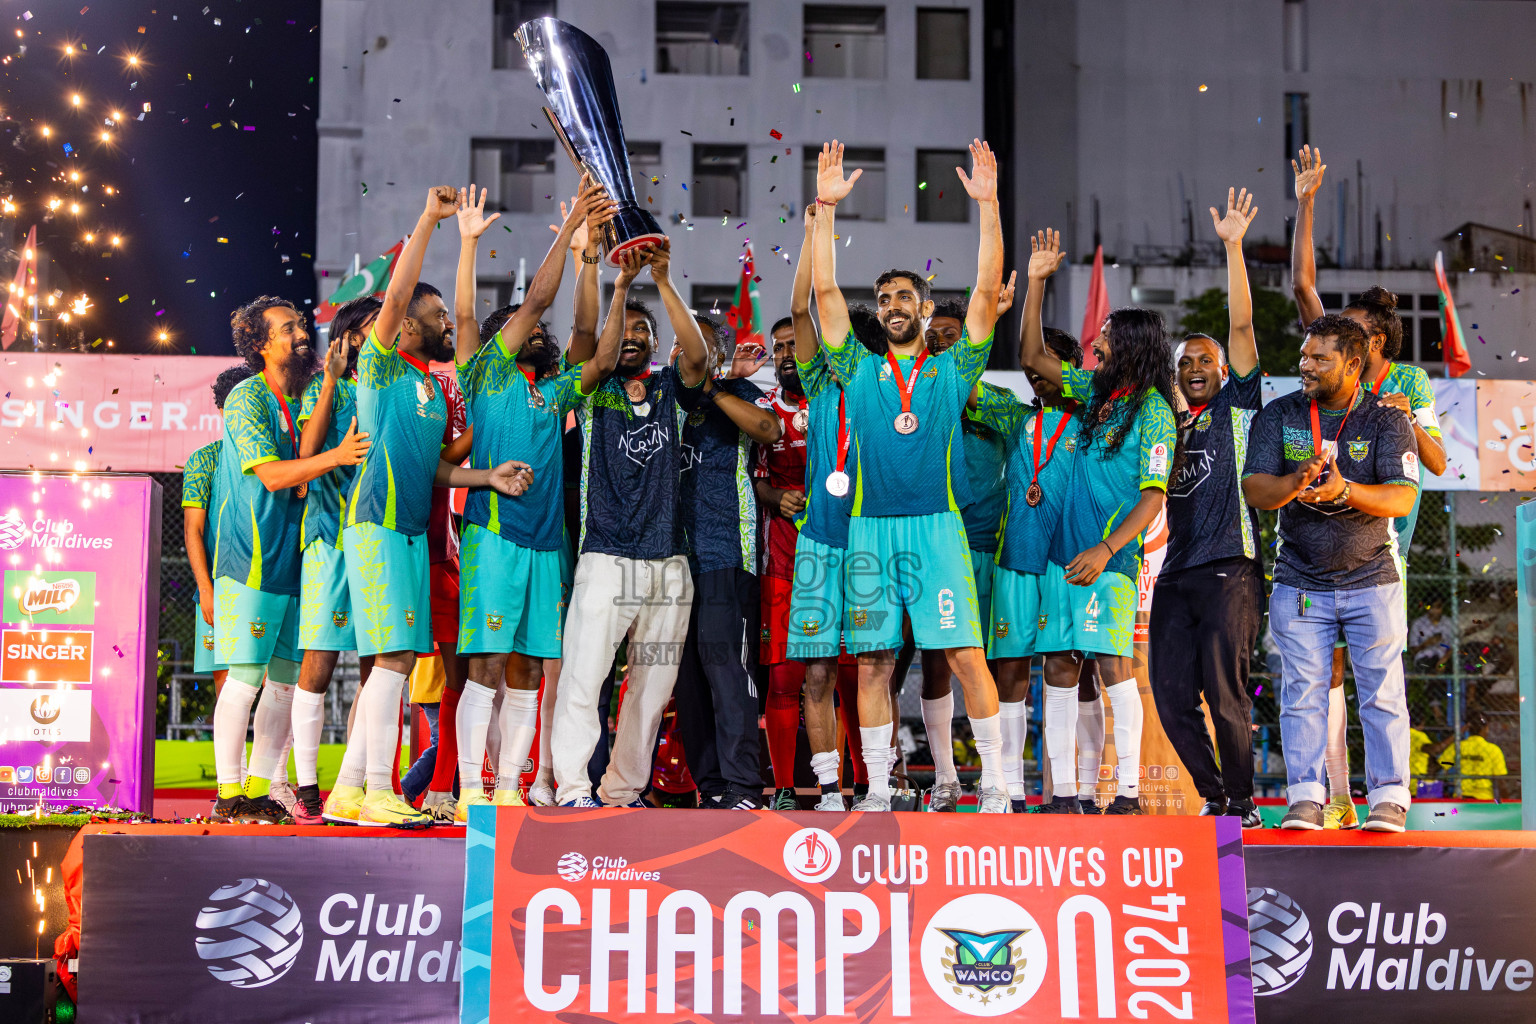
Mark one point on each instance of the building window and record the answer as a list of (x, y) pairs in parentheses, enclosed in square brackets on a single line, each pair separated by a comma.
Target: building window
[(719, 181), (491, 294), (867, 200), (510, 14), (714, 299), (943, 43), (519, 174), (1297, 132), (645, 164), (1430, 340), (1295, 32), (941, 199), (844, 41), (701, 38)]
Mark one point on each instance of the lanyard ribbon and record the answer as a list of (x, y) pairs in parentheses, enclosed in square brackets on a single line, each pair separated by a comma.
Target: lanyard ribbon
[(293, 435), (842, 431), (1039, 431), (1317, 430), (1375, 389), (910, 382)]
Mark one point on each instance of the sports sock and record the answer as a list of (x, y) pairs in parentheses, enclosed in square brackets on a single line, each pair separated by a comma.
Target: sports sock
[(825, 765), (355, 757), (549, 689), (381, 713), (782, 719), (474, 719), (231, 719), (519, 714), (308, 724), (1336, 758), (1013, 715), (1090, 745), (1125, 702), (447, 743), (274, 720), (878, 757), (1060, 732), (847, 687), (988, 733), (937, 716)]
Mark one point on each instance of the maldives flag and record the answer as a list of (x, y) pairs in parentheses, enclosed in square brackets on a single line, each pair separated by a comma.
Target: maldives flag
[(745, 316), (1453, 342), (1096, 310), (370, 280)]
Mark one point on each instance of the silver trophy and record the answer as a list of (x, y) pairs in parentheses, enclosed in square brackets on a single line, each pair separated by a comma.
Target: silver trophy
[(577, 80)]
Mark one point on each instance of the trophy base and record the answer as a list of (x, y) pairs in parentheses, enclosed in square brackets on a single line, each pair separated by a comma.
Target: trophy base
[(654, 238)]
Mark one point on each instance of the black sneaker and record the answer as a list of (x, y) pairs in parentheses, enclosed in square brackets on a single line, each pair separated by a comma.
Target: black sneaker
[(1089, 806), (1215, 806), (227, 808), (860, 791), (739, 800), (1248, 811), (784, 800), (1386, 817), (1306, 815), (1125, 805), (1060, 805), (263, 810)]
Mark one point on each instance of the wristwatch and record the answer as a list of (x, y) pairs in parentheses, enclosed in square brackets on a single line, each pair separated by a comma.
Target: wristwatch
[(1343, 498)]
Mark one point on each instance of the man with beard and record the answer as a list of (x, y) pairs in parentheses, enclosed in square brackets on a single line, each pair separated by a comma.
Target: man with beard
[(514, 585), (256, 552), (1339, 464), (1208, 600), (1124, 451), (907, 543), (631, 576), (384, 541), (716, 697)]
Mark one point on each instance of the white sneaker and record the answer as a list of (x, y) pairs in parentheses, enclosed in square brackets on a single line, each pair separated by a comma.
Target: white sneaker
[(441, 806), (994, 800), (542, 792), (832, 801), (873, 802), (283, 793)]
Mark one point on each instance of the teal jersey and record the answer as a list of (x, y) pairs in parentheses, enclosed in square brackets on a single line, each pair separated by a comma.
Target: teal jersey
[(1410, 380), (257, 539), (914, 474), (1029, 529), (1106, 484), (515, 417), (985, 457), (403, 411), (825, 517), (197, 477), (326, 506)]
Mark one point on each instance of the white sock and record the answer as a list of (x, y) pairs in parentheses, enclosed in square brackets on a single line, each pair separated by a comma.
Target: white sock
[(308, 723), (1060, 731), (284, 755), (274, 718), (879, 755), (937, 716), (1125, 702), (493, 738), (519, 714), (988, 733), (1090, 746), (355, 758), (546, 727), (825, 765), (231, 718), (474, 718), (1336, 758), (381, 714), (1014, 718)]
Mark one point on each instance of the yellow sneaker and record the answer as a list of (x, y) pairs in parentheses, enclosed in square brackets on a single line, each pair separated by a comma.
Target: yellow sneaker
[(467, 800), (383, 809), (508, 798), (440, 806), (344, 805), (1340, 813)]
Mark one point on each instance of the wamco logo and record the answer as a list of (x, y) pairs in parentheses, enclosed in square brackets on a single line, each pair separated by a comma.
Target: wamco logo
[(983, 954)]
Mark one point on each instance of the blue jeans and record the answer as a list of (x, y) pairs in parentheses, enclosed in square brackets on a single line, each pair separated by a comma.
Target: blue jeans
[(1374, 623), (420, 775)]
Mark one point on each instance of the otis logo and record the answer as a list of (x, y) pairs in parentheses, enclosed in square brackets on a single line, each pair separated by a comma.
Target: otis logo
[(46, 598), (45, 656), (812, 855), (44, 710), (46, 716), (983, 954), (249, 933)]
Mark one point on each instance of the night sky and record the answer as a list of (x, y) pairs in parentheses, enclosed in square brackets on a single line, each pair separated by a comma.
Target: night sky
[(227, 151)]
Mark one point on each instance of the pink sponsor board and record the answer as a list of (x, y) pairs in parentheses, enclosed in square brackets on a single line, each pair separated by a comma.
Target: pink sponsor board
[(80, 557)]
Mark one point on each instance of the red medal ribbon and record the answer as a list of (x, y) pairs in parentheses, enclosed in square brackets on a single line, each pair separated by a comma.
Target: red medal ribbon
[(1039, 431), (910, 382), (842, 431), (293, 434), (421, 367), (1317, 429), (1375, 389), (1196, 410)]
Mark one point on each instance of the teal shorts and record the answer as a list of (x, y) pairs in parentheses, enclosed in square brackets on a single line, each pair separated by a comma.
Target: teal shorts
[(1014, 625), (203, 657), (1097, 619), (325, 607), (251, 627), (815, 601), (387, 574), (983, 565), (511, 598), (920, 565)]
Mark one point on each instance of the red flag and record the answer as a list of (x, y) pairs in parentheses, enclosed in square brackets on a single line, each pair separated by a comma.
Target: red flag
[(1097, 310), (23, 286), (1453, 343), (371, 279), (744, 316)]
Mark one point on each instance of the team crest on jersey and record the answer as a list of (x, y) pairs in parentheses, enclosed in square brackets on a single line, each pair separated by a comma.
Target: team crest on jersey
[(695, 418), (1358, 450), (493, 623), (810, 627), (208, 642), (1069, 444), (1203, 422), (258, 629), (932, 371), (1001, 630), (1041, 623), (410, 618), (766, 636), (860, 618), (339, 620)]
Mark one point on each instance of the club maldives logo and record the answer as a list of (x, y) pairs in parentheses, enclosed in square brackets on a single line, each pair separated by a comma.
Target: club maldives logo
[(1279, 940), (249, 933), (983, 954), (812, 855), (48, 598), (12, 531), (572, 867)]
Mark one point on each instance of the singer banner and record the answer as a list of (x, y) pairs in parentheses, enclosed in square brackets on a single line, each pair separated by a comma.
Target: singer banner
[(603, 916)]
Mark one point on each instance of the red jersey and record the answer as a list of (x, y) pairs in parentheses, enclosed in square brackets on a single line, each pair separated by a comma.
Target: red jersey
[(442, 537), (782, 464)]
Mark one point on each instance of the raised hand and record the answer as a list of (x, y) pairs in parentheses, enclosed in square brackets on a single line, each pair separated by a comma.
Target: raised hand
[(353, 448), (1240, 213), (1309, 172), (632, 259), (1005, 297), (810, 217), (472, 218), (442, 202), (831, 186), (661, 260), (336, 359), (511, 478), (748, 359), (981, 183), (1045, 255)]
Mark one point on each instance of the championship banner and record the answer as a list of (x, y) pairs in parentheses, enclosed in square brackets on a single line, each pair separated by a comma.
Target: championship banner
[(138, 414), (1366, 931), (270, 925), (613, 915), (79, 621)]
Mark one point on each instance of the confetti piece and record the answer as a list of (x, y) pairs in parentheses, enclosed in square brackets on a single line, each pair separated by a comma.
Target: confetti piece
[(365, 188), (922, 185), (689, 134), (493, 254), (1203, 87), (222, 241), (118, 649), (797, 87), (122, 298), (776, 133)]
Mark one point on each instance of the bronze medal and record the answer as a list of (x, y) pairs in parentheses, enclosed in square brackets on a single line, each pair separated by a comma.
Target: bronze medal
[(635, 389), (801, 420), (1033, 495), (535, 398), (1104, 412)]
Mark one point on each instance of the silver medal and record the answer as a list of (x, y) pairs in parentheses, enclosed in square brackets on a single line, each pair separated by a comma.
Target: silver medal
[(837, 484)]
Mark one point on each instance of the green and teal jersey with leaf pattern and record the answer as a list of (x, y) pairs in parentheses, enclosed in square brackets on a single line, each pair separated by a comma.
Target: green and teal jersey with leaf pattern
[(326, 505), (403, 411), (257, 538)]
